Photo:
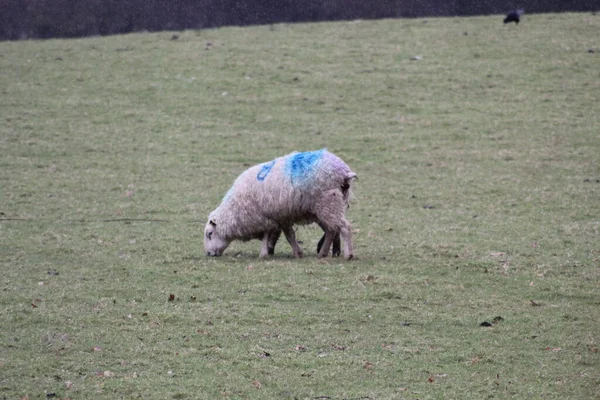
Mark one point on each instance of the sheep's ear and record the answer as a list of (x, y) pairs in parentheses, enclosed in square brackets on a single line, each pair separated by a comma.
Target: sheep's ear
[(212, 222), (351, 175)]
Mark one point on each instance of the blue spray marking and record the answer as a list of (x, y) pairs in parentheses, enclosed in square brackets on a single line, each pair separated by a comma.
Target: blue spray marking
[(232, 189), (264, 171), (227, 195), (300, 166)]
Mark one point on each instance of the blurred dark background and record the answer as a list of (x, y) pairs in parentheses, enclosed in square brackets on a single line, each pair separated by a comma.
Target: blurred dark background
[(41, 19)]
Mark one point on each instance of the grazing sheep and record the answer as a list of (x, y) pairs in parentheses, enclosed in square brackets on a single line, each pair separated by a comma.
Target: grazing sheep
[(266, 199)]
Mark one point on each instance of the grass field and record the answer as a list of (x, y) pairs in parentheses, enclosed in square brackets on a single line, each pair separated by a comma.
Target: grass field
[(478, 197)]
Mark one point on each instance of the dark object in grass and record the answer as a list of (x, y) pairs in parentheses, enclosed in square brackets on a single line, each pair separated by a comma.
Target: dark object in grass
[(514, 16), (494, 321)]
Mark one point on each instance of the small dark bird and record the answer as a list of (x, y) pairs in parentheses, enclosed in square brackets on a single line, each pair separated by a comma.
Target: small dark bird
[(514, 16)]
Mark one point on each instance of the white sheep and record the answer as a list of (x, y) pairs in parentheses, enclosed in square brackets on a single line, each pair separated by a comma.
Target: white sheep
[(266, 199)]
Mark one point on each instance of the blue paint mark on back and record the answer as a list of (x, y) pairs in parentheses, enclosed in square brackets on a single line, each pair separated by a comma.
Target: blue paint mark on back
[(227, 195), (264, 171), (300, 166)]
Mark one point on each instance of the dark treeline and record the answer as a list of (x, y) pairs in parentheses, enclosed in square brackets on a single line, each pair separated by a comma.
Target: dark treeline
[(40, 19)]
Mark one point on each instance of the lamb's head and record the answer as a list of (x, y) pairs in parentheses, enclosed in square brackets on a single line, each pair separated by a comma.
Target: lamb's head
[(214, 245)]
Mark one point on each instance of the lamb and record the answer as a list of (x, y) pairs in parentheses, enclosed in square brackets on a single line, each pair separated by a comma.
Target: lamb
[(274, 237), (272, 197)]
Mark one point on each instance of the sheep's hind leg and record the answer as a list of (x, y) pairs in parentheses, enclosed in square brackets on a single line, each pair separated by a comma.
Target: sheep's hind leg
[(290, 235)]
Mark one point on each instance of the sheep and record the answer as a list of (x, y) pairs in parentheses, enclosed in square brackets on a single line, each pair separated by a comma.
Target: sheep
[(272, 197)]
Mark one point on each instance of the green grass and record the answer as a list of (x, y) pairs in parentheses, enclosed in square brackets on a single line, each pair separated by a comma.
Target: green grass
[(478, 196)]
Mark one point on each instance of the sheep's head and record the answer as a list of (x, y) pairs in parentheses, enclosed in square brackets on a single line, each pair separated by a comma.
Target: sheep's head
[(214, 245)]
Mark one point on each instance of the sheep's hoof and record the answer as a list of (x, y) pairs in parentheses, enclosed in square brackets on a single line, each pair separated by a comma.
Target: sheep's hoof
[(349, 257)]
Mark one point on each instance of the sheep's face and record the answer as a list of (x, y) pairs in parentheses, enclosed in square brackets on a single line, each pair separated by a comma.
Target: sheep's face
[(213, 244)]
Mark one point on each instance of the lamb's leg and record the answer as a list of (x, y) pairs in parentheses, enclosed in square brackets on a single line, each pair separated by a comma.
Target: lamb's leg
[(327, 239), (290, 235), (336, 251), (346, 235), (336, 245), (268, 242), (320, 244), (272, 241)]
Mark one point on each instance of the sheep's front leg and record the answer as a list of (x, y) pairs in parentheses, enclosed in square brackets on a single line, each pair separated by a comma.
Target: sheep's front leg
[(346, 234), (264, 245), (290, 235)]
